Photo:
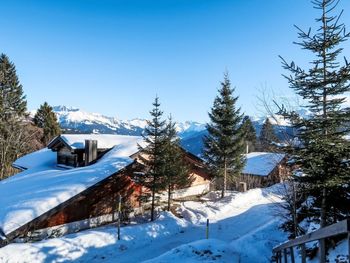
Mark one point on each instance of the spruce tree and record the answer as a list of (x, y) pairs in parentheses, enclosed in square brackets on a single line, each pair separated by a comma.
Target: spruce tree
[(249, 134), (153, 155), (12, 112), (323, 153), (224, 145), (46, 119), (176, 169), (267, 137)]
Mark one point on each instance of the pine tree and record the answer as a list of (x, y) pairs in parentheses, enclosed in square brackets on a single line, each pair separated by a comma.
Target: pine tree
[(224, 145), (153, 155), (249, 134), (267, 137), (46, 119), (323, 153), (12, 101), (176, 169), (12, 112)]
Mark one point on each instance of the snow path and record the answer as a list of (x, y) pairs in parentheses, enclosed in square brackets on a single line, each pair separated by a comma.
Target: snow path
[(243, 228)]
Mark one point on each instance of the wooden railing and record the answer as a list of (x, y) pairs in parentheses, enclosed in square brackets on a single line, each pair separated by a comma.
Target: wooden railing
[(286, 250)]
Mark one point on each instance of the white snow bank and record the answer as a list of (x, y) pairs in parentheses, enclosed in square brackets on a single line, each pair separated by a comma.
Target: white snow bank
[(104, 141), (232, 204), (262, 163), (27, 195), (206, 250), (138, 243), (240, 224)]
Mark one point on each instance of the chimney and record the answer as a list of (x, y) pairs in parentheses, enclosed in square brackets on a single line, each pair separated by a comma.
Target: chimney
[(90, 151)]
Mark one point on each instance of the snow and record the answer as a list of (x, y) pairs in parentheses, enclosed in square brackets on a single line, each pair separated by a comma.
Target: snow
[(104, 141), (208, 250), (243, 228), (43, 158), (74, 118), (262, 163), (31, 193)]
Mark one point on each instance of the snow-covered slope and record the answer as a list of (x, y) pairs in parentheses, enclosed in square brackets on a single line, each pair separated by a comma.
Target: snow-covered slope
[(243, 228)]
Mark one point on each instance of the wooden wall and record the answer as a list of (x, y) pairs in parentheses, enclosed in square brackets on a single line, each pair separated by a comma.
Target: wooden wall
[(100, 199)]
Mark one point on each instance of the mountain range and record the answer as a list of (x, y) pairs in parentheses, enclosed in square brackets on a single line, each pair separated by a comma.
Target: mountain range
[(191, 133)]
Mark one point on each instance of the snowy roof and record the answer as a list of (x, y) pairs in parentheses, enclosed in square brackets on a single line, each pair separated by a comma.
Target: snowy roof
[(43, 158), (33, 192), (262, 163), (104, 141)]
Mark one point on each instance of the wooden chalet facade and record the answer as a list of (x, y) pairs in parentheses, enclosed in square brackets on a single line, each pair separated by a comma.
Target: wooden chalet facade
[(262, 169), (101, 198)]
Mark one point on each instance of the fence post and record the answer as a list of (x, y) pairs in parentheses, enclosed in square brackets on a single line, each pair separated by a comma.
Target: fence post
[(207, 229), (322, 243), (348, 246), (303, 253), (279, 256), (285, 255), (292, 254), (119, 213)]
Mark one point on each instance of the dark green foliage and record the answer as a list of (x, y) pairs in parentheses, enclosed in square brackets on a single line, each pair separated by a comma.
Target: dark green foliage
[(176, 169), (249, 134), (46, 119), (267, 137), (323, 153), (12, 101), (153, 156), (224, 146), (12, 114)]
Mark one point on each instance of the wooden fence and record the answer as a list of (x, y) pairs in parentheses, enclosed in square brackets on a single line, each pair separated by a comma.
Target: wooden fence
[(281, 251)]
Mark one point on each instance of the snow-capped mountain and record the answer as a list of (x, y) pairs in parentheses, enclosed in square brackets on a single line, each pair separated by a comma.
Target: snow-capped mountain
[(79, 121), (74, 120)]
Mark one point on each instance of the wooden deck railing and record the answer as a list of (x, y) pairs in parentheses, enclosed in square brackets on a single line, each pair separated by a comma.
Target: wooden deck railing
[(281, 251)]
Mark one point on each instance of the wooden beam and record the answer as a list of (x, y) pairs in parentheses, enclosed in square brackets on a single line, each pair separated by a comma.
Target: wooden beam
[(341, 227)]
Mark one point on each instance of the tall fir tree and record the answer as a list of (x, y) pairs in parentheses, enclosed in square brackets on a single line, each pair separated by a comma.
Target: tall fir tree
[(249, 134), (267, 137), (323, 153), (224, 145), (46, 119), (153, 155), (177, 173), (12, 112)]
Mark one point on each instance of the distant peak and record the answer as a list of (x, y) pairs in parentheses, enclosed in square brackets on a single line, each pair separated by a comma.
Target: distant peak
[(64, 108)]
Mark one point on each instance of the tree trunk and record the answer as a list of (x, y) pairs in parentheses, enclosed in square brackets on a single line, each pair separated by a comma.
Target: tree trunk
[(169, 197), (323, 208), (225, 180), (152, 206), (295, 222)]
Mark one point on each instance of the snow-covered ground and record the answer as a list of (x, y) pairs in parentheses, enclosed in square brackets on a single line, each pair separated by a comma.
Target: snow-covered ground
[(243, 228)]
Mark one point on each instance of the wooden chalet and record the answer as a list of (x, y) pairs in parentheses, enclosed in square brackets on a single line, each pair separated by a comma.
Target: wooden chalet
[(75, 183), (262, 169)]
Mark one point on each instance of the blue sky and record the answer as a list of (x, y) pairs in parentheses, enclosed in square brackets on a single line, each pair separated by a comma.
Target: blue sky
[(114, 56)]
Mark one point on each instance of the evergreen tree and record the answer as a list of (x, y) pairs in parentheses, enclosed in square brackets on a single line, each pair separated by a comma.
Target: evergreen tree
[(267, 137), (323, 153), (249, 134), (224, 145), (46, 119), (12, 112), (176, 169), (153, 155)]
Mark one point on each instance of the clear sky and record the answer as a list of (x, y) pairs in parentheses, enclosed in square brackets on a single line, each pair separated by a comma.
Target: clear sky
[(114, 56)]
